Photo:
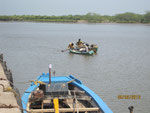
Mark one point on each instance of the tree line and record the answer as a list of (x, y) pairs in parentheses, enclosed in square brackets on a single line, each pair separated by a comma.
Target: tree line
[(127, 17)]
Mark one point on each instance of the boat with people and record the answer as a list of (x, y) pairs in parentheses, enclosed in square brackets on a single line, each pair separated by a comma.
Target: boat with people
[(82, 48), (75, 51), (61, 94)]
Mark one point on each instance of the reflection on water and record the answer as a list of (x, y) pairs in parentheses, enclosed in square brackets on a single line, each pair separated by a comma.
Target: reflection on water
[(121, 66)]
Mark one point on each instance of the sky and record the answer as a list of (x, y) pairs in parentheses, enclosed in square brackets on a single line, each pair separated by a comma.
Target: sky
[(74, 7)]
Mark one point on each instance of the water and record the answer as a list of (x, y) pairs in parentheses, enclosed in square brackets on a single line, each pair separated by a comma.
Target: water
[(121, 66)]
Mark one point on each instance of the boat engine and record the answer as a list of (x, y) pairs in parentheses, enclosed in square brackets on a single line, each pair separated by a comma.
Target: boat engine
[(38, 94)]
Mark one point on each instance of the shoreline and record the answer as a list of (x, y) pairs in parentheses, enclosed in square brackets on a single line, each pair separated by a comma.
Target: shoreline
[(127, 17), (1, 21)]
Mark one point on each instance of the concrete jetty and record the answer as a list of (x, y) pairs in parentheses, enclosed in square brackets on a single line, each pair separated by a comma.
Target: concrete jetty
[(8, 98)]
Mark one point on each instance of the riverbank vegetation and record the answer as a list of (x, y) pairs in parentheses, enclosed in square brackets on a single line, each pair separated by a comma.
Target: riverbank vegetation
[(89, 18)]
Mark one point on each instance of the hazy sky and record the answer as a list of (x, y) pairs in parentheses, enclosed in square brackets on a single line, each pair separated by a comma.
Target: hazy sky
[(65, 7)]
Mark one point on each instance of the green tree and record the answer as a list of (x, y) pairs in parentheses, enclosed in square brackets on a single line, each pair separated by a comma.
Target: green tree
[(147, 17), (128, 18)]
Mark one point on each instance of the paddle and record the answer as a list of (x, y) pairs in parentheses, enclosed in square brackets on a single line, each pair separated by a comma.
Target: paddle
[(64, 50)]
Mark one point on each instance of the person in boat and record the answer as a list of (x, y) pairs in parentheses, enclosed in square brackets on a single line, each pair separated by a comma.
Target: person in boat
[(71, 46), (79, 43), (84, 49), (86, 45), (93, 47)]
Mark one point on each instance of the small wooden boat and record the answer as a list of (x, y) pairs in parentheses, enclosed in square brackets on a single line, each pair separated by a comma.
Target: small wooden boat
[(91, 52), (64, 94)]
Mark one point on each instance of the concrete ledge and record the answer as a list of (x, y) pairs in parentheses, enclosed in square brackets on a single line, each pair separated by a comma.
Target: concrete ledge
[(9, 110), (7, 98)]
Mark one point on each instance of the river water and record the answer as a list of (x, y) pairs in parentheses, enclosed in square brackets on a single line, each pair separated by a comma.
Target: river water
[(121, 66)]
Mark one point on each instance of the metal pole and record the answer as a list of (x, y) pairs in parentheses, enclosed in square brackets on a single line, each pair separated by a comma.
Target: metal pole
[(50, 66)]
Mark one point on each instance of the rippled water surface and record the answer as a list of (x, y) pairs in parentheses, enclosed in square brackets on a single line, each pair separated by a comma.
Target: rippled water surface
[(121, 66)]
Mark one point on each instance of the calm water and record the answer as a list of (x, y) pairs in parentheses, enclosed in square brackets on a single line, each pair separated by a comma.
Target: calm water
[(121, 66)]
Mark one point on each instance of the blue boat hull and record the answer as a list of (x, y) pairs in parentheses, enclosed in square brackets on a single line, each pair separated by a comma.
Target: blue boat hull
[(45, 78)]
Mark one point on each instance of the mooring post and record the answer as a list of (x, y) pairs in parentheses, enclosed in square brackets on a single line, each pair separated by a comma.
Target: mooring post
[(1, 58), (131, 109)]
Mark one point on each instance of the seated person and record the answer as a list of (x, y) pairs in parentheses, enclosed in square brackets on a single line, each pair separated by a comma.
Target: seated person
[(84, 49), (71, 46), (79, 43)]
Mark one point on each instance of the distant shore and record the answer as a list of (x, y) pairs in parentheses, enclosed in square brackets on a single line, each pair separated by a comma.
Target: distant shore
[(88, 18), (75, 22)]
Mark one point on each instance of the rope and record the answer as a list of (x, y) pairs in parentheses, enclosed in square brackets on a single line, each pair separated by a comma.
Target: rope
[(76, 104), (71, 81), (35, 82), (22, 82), (10, 89), (2, 86), (3, 79), (63, 85), (7, 106), (11, 106)]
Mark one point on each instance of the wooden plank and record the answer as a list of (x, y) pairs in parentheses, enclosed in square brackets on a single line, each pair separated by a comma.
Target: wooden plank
[(79, 104), (64, 110), (46, 101), (77, 91), (69, 102), (70, 97)]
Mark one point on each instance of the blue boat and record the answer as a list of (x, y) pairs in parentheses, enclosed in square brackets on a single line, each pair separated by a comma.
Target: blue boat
[(64, 94)]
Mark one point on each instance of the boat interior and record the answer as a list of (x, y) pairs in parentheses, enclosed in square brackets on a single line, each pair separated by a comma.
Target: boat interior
[(61, 98)]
